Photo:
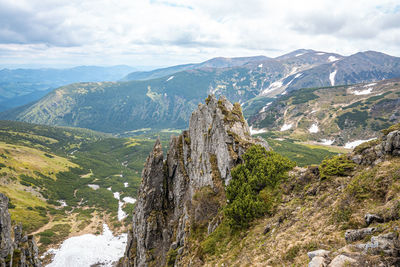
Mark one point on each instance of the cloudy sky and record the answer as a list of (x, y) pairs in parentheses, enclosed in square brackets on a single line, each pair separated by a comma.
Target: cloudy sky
[(165, 32)]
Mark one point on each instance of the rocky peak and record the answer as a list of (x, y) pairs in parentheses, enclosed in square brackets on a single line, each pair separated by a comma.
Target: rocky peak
[(22, 251), (200, 159)]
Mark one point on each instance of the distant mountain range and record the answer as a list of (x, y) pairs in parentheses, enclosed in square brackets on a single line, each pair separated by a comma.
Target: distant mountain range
[(21, 86), (164, 98), (219, 62)]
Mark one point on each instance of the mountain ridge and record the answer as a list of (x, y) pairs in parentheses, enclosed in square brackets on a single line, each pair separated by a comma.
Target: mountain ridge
[(119, 107)]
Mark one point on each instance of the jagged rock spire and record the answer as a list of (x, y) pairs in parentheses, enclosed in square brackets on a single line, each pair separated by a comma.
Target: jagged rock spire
[(199, 159)]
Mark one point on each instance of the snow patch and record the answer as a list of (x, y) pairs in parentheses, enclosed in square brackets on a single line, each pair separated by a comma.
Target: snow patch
[(265, 107), (94, 186), (286, 127), (363, 92), (285, 92), (299, 54), (332, 77), (332, 59), (170, 78), (314, 128), (260, 66), (121, 214), (369, 87), (327, 142), (256, 131), (320, 54), (62, 202), (298, 75), (273, 86), (355, 143), (88, 250), (130, 200), (126, 184)]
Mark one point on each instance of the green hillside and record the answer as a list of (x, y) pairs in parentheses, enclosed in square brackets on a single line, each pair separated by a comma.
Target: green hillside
[(46, 172), (341, 114)]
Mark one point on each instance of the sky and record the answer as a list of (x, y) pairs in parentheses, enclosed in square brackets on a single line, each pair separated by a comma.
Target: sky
[(168, 32)]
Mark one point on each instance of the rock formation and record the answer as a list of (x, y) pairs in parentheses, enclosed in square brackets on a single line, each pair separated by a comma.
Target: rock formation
[(20, 252), (187, 188), (373, 152)]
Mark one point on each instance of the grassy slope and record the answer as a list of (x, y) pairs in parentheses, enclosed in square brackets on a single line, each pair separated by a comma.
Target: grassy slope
[(314, 215), (41, 165), (302, 154), (339, 113)]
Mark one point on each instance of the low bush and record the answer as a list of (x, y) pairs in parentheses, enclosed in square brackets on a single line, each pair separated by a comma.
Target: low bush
[(251, 192), (336, 166)]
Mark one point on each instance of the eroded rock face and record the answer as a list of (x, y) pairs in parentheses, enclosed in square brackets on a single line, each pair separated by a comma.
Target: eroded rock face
[(390, 145), (6, 243), (20, 252), (187, 187)]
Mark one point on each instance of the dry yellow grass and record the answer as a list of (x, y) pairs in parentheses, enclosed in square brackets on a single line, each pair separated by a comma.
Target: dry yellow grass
[(306, 220), (26, 160)]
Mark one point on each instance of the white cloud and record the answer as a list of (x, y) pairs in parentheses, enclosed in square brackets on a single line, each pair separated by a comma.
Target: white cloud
[(163, 32)]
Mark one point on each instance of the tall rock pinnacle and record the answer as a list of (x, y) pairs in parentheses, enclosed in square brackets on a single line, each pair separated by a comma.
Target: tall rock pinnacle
[(200, 159)]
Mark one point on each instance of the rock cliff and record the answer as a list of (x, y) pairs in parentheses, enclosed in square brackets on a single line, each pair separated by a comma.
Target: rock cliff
[(20, 252), (187, 187)]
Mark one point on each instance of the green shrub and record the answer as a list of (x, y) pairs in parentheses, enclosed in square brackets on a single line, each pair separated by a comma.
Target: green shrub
[(304, 96), (355, 118), (171, 257), (250, 193), (336, 166), (10, 205), (341, 214), (217, 241)]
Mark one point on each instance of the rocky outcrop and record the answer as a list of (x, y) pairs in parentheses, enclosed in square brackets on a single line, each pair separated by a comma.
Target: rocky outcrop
[(374, 151), (20, 252), (6, 243), (352, 235), (187, 188)]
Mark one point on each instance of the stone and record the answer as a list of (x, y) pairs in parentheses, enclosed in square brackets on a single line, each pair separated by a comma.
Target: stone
[(358, 234), (390, 145), (387, 244), (371, 218), (18, 236), (317, 261), (319, 253), (267, 229), (174, 245), (6, 242), (342, 261)]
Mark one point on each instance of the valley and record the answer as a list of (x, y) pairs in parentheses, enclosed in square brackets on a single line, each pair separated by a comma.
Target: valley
[(63, 182), (164, 98), (71, 163)]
